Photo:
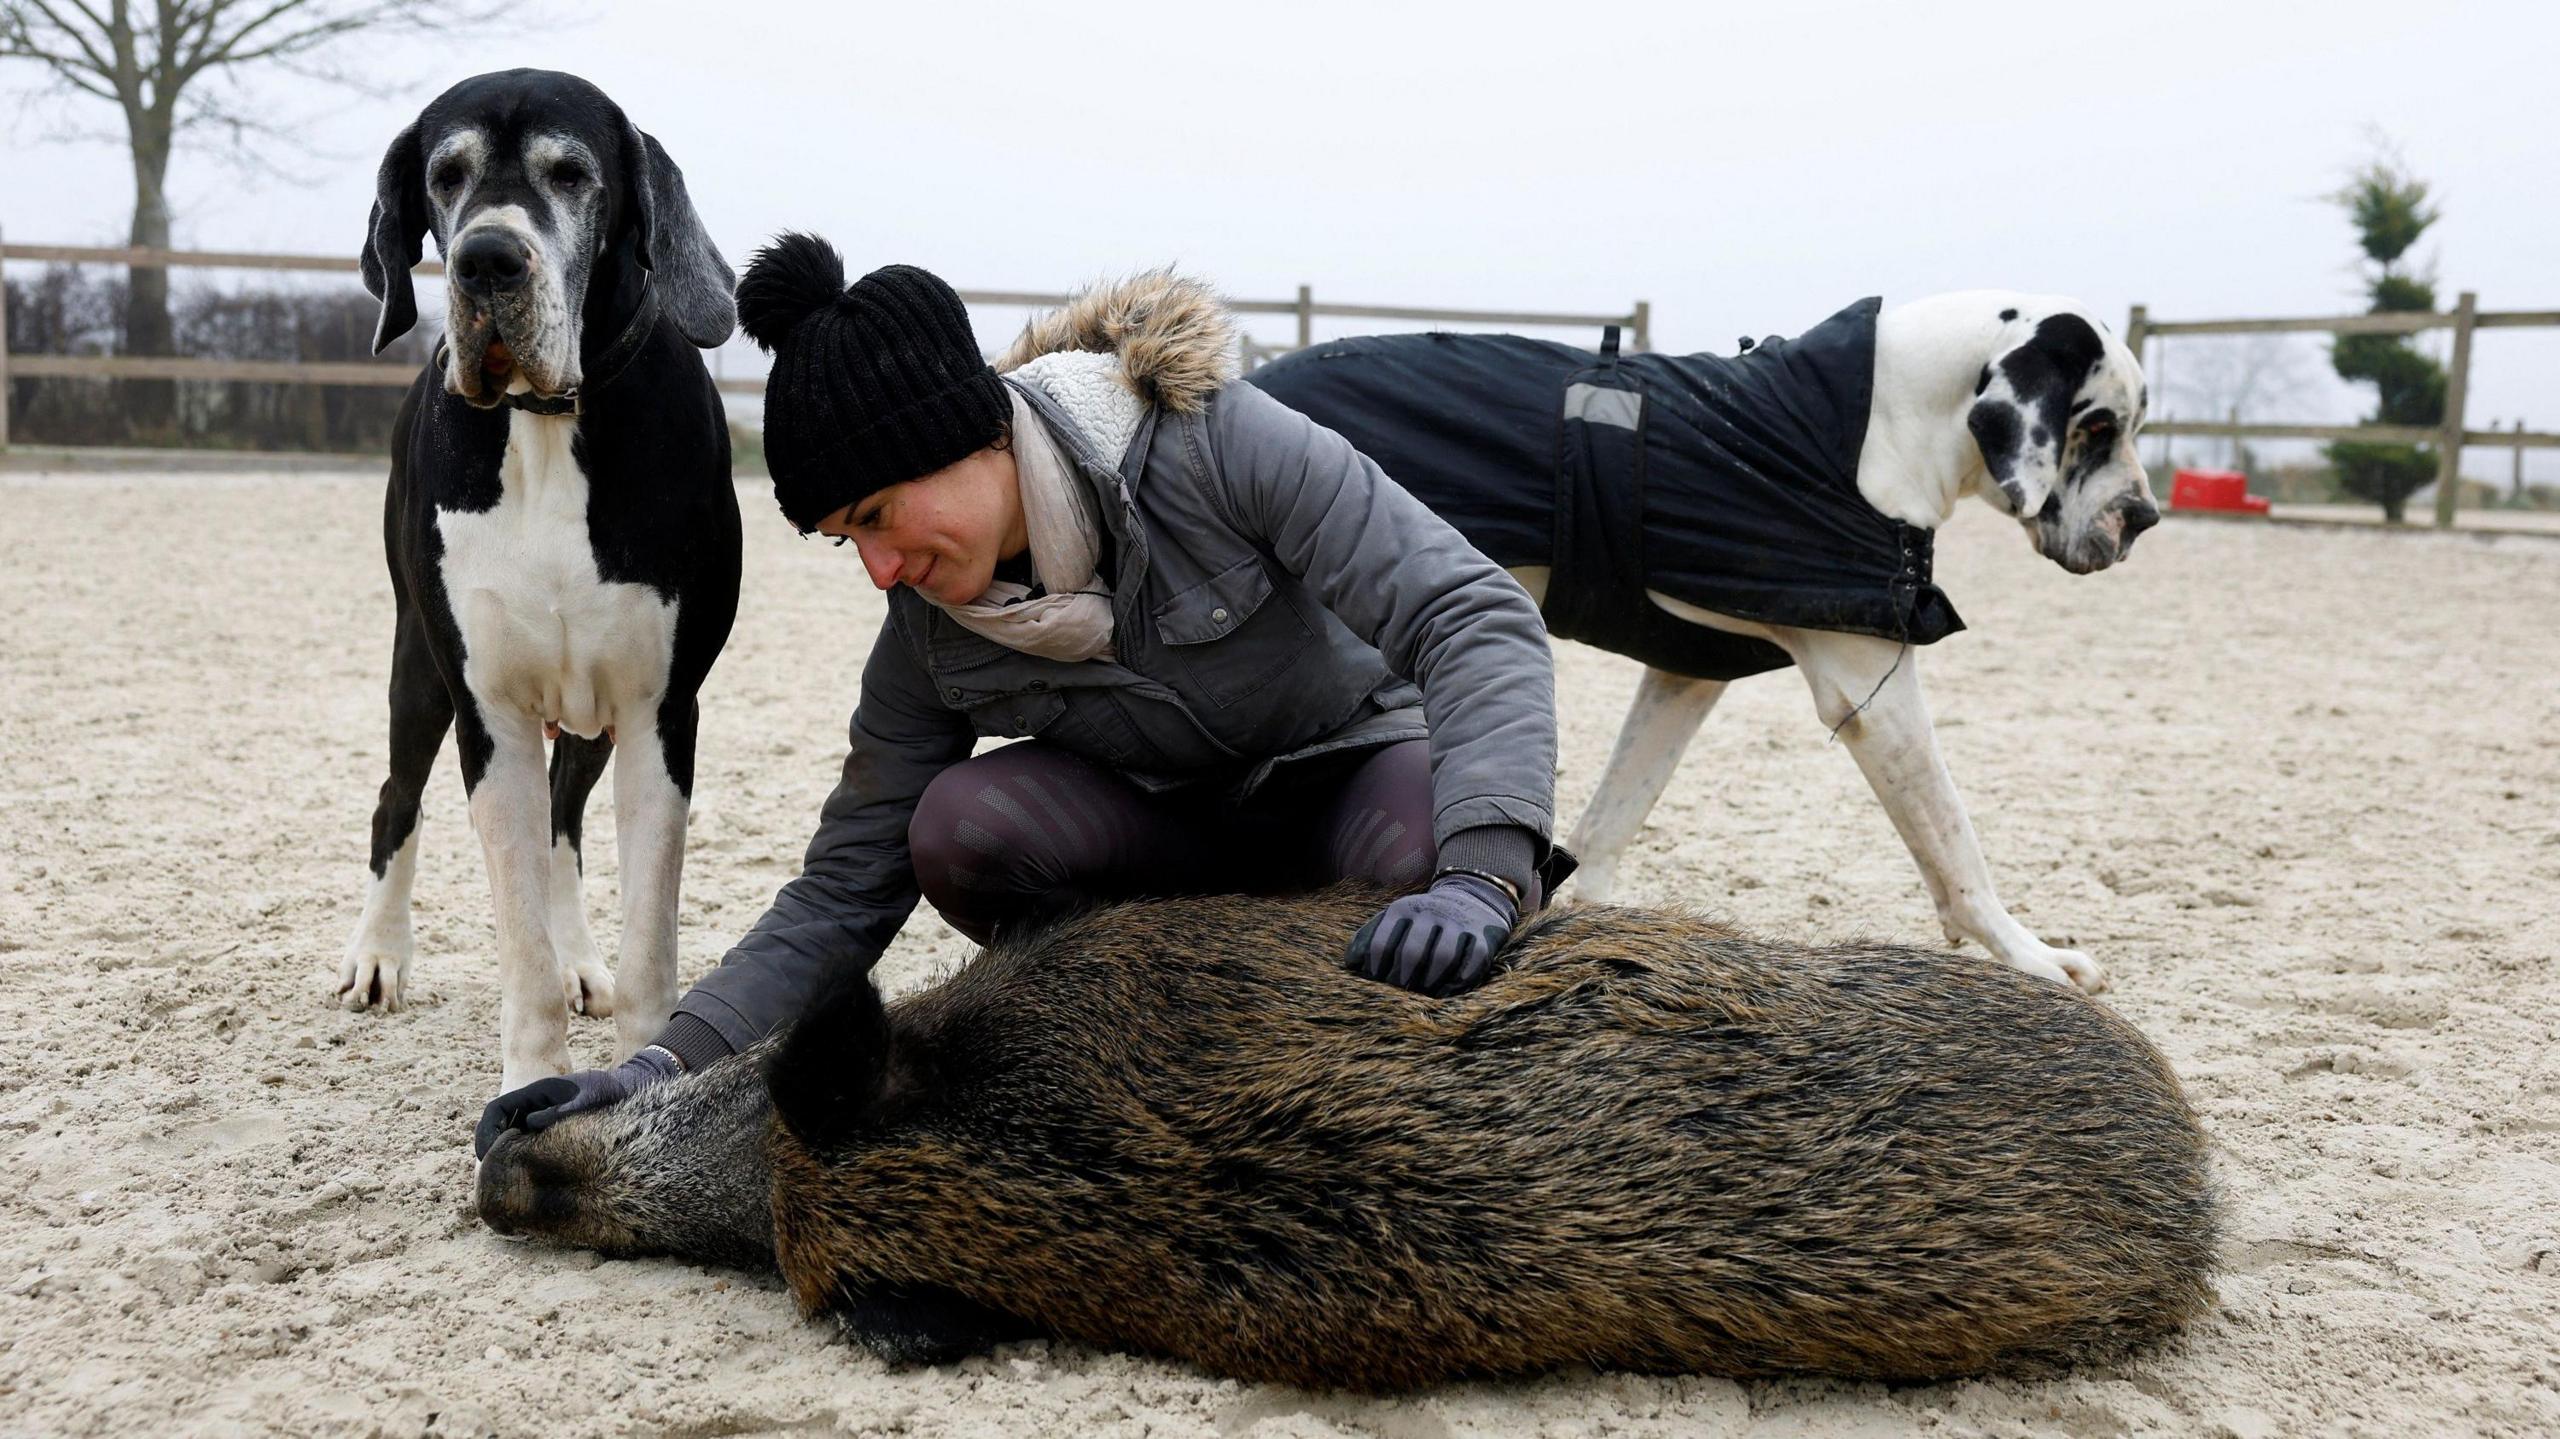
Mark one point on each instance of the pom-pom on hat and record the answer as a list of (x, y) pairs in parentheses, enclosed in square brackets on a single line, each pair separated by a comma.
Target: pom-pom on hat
[(871, 386)]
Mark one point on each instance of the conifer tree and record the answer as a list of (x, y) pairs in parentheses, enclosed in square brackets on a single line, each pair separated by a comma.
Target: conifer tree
[(2390, 210)]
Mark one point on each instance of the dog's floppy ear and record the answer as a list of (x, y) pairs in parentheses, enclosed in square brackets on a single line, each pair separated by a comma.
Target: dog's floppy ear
[(2022, 411), (693, 282), (394, 236), (2023, 454)]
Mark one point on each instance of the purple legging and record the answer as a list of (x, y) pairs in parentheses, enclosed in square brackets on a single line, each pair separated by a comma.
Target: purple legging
[(1031, 829)]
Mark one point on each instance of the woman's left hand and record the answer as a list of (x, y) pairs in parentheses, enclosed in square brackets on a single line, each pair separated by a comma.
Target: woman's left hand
[(1441, 941), (545, 1102)]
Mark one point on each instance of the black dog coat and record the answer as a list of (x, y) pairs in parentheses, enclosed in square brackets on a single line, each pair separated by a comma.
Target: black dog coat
[(1729, 484)]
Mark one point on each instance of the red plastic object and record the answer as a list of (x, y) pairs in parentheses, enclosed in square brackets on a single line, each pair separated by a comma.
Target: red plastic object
[(2224, 490)]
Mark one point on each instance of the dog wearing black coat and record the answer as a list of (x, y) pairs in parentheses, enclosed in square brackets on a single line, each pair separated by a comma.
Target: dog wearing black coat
[(1718, 517), (562, 536)]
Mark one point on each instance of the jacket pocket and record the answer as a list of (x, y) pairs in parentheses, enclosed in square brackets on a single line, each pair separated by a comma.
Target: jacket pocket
[(1081, 720), (1009, 714), (1095, 726), (1228, 636)]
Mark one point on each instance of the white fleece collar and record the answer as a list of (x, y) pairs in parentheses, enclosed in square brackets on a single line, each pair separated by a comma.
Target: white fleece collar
[(1095, 397)]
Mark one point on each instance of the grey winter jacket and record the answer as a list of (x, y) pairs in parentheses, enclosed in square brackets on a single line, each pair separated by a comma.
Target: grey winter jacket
[(1275, 597)]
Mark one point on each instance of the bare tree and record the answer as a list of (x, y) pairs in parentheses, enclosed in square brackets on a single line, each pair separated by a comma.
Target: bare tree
[(2245, 372), (2236, 377), (156, 62)]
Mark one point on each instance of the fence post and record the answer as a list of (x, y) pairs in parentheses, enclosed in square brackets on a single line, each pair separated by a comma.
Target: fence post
[(2137, 333), (1306, 316), (2456, 388), (2515, 477), (1644, 326), (2137, 338), (4, 346)]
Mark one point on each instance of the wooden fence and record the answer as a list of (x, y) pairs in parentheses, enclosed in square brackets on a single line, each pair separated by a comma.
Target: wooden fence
[(1306, 309), (2448, 437)]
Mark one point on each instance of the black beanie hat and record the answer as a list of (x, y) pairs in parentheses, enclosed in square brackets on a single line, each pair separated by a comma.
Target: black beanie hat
[(871, 386)]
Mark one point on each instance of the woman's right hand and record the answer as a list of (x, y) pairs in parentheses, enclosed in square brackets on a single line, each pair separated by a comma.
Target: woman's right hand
[(1441, 941)]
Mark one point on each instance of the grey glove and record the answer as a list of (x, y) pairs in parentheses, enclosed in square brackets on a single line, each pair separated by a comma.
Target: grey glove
[(1440, 941), (545, 1102)]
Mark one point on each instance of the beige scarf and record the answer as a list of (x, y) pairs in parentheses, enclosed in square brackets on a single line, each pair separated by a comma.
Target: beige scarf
[(1073, 620)]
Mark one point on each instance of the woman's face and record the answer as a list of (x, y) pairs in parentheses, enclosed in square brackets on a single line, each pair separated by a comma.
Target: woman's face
[(943, 534)]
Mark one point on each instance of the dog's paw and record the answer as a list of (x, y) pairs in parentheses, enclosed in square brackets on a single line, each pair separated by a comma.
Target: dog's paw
[(2083, 971), (374, 975), (2062, 966), (588, 988)]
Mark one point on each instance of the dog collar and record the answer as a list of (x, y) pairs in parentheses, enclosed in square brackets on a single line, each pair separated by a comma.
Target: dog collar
[(608, 367), (563, 403)]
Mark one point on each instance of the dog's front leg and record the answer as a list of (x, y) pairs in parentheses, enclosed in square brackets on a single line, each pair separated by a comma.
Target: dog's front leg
[(652, 777), (1887, 729), (1667, 711), (376, 968), (576, 762), (511, 812)]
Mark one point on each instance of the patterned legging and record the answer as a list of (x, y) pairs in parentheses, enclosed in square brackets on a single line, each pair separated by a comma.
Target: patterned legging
[(1025, 831)]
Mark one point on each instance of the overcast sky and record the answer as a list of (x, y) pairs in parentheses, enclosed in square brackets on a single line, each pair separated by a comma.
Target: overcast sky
[(1747, 168)]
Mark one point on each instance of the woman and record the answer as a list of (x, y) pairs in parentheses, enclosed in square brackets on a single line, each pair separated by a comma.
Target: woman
[(1242, 658)]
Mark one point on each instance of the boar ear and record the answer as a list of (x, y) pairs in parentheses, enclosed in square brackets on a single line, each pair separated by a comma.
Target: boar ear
[(831, 1077)]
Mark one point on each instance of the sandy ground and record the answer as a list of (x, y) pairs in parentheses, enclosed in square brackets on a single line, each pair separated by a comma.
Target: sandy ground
[(2295, 787)]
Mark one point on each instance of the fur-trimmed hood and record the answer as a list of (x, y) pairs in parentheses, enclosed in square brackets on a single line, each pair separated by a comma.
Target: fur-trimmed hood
[(1173, 336)]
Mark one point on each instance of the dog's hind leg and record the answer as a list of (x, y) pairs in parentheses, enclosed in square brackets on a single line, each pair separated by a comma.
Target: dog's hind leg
[(1667, 711), (375, 970), (652, 788), (502, 768), (1867, 691), (576, 765)]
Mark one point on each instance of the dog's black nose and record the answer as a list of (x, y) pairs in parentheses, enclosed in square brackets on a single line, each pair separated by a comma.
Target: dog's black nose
[(2138, 518), (488, 261)]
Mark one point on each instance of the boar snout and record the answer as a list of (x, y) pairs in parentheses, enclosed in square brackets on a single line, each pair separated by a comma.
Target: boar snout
[(551, 1186), (510, 1196), (676, 1169)]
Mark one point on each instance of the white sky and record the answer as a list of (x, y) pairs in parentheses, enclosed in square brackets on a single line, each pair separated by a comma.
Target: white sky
[(1747, 168)]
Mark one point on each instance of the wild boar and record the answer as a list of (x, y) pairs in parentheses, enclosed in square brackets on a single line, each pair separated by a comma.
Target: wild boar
[(1648, 1143)]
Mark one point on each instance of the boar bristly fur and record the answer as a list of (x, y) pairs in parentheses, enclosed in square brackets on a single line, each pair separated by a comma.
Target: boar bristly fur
[(1649, 1143)]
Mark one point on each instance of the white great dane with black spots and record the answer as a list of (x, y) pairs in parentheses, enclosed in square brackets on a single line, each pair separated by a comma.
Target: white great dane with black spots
[(1966, 406), (1538, 452)]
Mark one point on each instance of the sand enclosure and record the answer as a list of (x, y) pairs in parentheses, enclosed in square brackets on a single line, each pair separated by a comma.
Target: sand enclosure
[(2295, 788)]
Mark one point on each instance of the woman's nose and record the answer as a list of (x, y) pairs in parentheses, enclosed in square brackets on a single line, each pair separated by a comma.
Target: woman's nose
[(879, 561)]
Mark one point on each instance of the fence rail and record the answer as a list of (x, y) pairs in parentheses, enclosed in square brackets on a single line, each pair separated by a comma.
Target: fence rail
[(178, 367), (2449, 438), (2518, 438), (2464, 319), (1305, 308), (2408, 323)]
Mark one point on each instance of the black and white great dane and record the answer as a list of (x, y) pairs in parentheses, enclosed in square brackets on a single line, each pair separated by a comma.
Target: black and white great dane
[(2020, 400), (562, 536)]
